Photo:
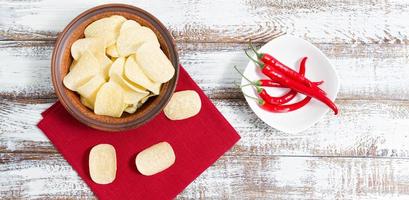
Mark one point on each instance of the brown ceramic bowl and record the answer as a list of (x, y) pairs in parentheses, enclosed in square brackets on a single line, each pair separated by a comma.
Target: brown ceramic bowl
[(62, 59)]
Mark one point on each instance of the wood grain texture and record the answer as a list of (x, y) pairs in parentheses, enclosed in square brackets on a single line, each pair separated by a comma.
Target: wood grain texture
[(366, 71), (363, 129), (361, 154), (231, 177), (319, 21)]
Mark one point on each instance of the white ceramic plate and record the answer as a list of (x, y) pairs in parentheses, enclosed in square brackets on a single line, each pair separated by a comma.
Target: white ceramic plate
[(290, 50)]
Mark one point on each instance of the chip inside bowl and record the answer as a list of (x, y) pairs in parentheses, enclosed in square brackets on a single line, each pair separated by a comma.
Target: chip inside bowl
[(106, 28), (109, 100), (107, 69)]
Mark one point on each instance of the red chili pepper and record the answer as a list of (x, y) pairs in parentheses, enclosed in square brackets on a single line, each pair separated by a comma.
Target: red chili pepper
[(281, 108), (295, 76), (281, 78), (271, 83), (270, 99), (270, 60), (266, 83), (276, 100), (286, 97)]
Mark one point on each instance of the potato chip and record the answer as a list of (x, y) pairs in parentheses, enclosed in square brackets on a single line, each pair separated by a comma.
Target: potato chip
[(107, 28), (143, 100), (93, 45), (130, 96), (125, 54), (131, 108), (146, 35), (87, 102), (125, 41), (182, 105), (132, 36), (129, 25), (133, 86), (89, 90), (112, 51), (102, 163), (155, 159), (109, 100), (86, 67), (73, 63), (135, 74), (117, 67), (154, 63), (106, 65)]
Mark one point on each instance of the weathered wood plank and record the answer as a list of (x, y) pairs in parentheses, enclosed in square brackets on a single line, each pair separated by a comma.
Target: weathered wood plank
[(366, 71), (364, 129), (265, 177), (323, 21)]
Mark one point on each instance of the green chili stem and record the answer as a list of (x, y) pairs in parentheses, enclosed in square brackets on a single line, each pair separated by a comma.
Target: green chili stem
[(242, 75), (259, 55), (259, 101), (255, 61), (246, 85)]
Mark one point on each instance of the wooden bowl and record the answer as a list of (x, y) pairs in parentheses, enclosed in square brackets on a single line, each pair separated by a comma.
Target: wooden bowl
[(62, 59)]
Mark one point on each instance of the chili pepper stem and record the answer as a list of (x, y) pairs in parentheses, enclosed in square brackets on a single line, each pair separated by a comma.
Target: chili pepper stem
[(245, 85), (242, 75), (259, 101), (258, 89), (255, 61), (259, 55)]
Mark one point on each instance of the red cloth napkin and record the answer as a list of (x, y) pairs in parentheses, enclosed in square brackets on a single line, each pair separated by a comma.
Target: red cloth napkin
[(198, 142)]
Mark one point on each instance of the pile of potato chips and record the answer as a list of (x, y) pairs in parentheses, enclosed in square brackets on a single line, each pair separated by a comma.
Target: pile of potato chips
[(117, 66)]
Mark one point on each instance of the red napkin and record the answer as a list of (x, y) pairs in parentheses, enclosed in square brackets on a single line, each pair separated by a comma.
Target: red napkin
[(198, 142)]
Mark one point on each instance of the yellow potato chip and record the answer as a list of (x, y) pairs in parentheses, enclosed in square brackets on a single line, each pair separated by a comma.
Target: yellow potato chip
[(86, 67), (87, 102), (135, 74), (132, 36), (131, 108), (154, 63), (155, 159), (143, 100), (73, 63), (109, 100), (89, 90), (93, 45), (117, 67), (112, 51), (128, 25), (182, 105), (107, 28), (106, 65), (130, 96), (102, 163)]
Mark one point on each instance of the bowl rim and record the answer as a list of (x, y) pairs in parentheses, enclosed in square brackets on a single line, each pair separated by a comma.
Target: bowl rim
[(97, 124)]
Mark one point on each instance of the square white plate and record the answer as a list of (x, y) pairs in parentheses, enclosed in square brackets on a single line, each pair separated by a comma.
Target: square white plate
[(290, 50)]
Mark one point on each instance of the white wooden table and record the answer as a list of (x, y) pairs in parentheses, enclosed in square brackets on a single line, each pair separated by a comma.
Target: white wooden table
[(360, 154)]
